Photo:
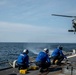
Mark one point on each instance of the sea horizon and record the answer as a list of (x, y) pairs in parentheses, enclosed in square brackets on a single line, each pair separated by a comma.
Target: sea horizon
[(37, 42)]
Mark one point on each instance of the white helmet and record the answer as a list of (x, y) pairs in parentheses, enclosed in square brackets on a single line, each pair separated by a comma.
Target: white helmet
[(46, 50), (25, 51)]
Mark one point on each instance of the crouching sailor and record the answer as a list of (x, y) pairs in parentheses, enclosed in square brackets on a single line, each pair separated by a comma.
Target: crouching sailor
[(43, 60), (58, 55), (23, 60)]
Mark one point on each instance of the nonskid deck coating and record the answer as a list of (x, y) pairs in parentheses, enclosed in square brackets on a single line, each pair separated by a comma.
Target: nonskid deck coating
[(14, 71), (53, 71)]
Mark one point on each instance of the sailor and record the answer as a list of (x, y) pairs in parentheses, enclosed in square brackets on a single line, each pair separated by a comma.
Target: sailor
[(23, 60), (57, 54), (43, 60)]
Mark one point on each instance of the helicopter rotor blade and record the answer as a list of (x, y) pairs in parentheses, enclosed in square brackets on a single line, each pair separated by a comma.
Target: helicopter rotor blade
[(64, 16)]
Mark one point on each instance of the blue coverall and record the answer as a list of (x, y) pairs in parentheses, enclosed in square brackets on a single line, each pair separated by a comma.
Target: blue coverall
[(43, 60), (23, 61), (57, 54)]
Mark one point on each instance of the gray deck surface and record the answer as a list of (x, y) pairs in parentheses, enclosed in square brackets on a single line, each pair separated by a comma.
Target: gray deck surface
[(53, 71), (14, 71)]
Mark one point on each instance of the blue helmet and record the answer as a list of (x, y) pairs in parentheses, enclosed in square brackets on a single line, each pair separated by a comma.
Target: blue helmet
[(60, 47)]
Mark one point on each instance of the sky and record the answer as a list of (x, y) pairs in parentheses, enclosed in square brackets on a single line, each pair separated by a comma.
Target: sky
[(31, 21)]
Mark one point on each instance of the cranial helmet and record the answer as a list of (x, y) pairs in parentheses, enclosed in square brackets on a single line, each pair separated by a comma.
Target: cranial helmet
[(46, 50), (60, 47), (25, 51)]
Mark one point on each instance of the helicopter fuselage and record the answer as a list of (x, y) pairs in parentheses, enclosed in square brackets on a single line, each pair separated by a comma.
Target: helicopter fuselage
[(73, 21)]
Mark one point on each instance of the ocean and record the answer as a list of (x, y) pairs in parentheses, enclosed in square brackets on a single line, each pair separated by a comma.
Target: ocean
[(10, 51)]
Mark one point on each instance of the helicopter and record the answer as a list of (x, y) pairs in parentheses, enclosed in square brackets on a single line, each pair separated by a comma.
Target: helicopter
[(73, 22)]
